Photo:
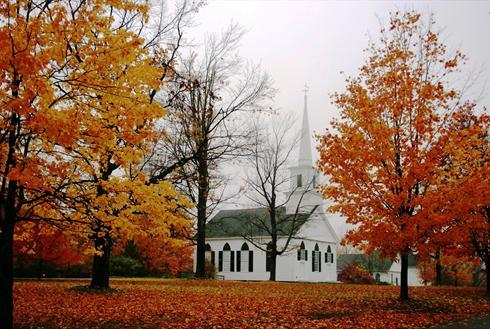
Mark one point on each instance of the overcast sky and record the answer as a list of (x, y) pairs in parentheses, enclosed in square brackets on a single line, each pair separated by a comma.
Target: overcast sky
[(311, 42)]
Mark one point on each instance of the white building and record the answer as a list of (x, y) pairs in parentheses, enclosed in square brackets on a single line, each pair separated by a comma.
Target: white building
[(311, 254), (393, 276), (382, 270)]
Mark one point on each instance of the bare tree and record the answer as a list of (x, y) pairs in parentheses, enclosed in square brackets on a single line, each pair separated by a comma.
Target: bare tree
[(208, 104), (269, 158)]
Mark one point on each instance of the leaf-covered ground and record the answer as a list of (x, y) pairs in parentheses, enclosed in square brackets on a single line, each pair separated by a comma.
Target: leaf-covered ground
[(218, 304)]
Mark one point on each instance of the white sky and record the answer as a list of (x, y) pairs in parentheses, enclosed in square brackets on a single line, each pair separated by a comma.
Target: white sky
[(312, 41)]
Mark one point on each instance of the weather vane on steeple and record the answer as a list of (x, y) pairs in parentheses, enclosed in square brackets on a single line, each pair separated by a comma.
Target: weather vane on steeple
[(306, 89)]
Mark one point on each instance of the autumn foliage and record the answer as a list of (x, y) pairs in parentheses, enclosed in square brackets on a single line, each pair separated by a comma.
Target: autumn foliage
[(384, 155), (456, 271), (355, 273), (46, 243), (76, 121)]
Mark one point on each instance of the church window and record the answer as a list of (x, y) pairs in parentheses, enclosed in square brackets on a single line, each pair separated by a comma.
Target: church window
[(314, 181), (316, 264), (268, 257), (302, 253), (227, 259), (244, 261), (299, 180), (329, 255)]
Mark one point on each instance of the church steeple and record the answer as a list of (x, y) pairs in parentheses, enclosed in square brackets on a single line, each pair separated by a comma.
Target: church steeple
[(305, 158), (303, 176)]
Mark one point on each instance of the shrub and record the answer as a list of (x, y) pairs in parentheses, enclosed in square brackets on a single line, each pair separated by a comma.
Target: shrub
[(209, 270), (355, 273), (126, 266)]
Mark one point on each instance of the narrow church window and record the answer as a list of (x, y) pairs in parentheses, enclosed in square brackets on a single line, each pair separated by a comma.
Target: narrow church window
[(315, 264), (268, 257), (329, 255), (244, 258), (299, 181), (314, 181), (228, 260), (302, 252)]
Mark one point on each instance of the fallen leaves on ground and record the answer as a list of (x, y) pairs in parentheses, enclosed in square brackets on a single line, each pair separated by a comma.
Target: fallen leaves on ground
[(166, 303)]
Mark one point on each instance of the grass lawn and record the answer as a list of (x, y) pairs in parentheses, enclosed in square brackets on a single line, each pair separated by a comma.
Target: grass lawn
[(172, 303)]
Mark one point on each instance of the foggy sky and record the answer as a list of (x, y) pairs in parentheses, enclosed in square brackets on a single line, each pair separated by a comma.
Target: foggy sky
[(311, 42)]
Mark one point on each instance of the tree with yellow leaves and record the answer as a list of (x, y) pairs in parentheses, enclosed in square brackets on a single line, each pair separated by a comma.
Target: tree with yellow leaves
[(75, 118)]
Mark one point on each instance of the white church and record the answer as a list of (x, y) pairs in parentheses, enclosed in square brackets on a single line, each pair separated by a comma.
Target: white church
[(311, 255)]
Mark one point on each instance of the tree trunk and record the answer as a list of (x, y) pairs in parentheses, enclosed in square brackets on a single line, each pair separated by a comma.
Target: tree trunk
[(272, 276), (438, 268), (487, 271), (202, 204), (40, 269), (100, 266), (404, 277), (6, 272)]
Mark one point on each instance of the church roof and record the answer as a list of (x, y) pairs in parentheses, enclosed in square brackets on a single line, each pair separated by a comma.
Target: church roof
[(372, 263), (253, 222)]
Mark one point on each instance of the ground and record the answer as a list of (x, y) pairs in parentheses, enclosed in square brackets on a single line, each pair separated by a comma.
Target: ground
[(169, 303)]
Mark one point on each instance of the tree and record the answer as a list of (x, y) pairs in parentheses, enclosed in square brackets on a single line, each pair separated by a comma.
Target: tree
[(70, 84), (456, 271), (45, 244), (169, 253), (116, 200), (204, 127), (269, 157), (465, 187), (383, 155)]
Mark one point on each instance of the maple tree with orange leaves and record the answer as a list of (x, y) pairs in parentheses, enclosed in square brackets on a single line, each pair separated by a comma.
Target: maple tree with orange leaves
[(464, 188), (383, 155)]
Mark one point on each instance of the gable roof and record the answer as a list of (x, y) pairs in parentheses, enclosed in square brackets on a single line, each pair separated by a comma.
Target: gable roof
[(252, 222), (372, 263)]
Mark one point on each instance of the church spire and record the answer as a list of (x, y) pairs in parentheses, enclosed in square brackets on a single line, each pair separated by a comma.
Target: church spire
[(305, 158)]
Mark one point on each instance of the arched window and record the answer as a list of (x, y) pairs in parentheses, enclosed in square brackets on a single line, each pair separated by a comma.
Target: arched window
[(302, 253), (268, 257), (329, 255), (226, 262), (209, 254), (378, 277), (316, 264), (244, 261)]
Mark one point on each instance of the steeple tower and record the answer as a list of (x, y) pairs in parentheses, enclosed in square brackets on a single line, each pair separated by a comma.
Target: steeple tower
[(303, 175), (305, 143)]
